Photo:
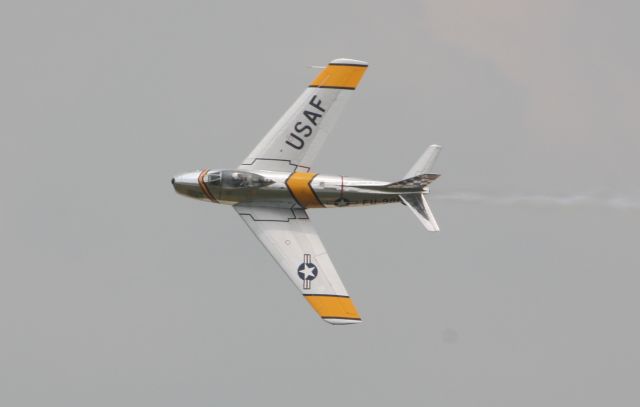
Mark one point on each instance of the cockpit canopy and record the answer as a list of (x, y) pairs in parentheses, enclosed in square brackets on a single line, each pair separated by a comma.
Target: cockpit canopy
[(236, 179)]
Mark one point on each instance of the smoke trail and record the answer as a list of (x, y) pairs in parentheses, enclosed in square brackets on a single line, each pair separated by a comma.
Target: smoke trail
[(616, 203)]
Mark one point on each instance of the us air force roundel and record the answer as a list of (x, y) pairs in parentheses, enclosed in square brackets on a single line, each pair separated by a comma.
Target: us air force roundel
[(307, 271)]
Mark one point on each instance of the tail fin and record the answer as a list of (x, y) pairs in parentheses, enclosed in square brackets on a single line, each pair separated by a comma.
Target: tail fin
[(419, 175)]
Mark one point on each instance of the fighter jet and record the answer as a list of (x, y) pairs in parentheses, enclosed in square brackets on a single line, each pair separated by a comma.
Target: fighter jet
[(274, 187)]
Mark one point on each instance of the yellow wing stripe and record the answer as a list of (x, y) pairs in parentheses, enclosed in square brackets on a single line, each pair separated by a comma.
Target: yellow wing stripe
[(299, 184), (333, 306), (339, 76)]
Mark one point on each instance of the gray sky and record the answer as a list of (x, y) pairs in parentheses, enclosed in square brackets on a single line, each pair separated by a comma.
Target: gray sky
[(116, 291)]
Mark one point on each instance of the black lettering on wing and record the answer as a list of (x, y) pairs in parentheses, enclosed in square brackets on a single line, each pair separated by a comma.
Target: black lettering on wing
[(305, 130), (300, 143), (315, 102), (302, 129), (312, 116)]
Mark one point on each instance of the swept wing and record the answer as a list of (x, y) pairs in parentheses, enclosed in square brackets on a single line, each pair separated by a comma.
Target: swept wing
[(293, 242), (294, 141)]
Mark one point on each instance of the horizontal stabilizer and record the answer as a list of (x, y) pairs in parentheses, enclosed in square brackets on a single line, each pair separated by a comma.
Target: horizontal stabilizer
[(418, 182), (425, 162), (418, 205)]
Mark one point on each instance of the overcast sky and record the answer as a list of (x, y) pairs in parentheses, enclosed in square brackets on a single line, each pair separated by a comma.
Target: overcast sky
[(115, 291)]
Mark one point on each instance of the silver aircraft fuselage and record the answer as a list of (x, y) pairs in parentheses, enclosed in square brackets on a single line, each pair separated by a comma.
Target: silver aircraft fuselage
[(282, 189)]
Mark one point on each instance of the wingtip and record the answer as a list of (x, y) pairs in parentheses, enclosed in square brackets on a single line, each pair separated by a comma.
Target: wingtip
[(348, 61), (342, 321)]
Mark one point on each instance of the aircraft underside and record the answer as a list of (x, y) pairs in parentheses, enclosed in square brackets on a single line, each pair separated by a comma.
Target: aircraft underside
[(273, 187)]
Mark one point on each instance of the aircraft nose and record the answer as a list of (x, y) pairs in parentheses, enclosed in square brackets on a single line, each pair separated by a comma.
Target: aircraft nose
[(187, 184)]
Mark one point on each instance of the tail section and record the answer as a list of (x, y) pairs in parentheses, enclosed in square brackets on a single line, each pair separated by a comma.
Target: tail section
[(418, 178), (414, 188)]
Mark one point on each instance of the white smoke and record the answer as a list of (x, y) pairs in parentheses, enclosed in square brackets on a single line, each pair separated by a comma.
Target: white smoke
[(616, 203)]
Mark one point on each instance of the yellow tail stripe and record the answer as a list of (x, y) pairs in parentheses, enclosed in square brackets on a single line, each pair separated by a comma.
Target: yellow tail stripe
[(339, 76), (332, 306), (299, 184)]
